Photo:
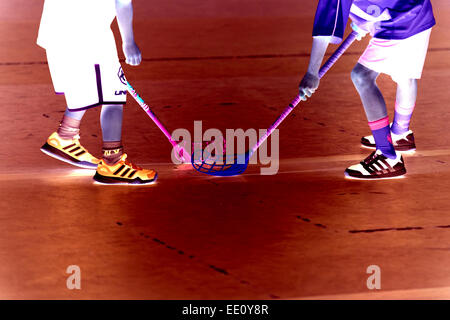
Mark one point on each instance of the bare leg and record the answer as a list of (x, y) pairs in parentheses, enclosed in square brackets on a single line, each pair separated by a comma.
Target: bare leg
[(404, 105), (364, 80), (111, 122)]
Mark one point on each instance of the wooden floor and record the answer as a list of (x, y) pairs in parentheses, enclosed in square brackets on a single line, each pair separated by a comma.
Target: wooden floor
[(304, 233)]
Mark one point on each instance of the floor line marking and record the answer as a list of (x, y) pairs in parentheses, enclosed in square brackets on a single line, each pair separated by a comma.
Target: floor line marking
[(77, 173), (397, 229), (439, 293), (231, 57)]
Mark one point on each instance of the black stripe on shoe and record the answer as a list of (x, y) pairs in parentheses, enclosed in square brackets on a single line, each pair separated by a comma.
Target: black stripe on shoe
[(118, 170), (75, 149), (375, 167), (388, 166), (125, 172), (132, 174), (80, 153), (69, 146), (367, 167), (378, 169)]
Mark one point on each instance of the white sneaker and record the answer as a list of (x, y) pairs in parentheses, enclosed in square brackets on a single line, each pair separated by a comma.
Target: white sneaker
[(377, 166)]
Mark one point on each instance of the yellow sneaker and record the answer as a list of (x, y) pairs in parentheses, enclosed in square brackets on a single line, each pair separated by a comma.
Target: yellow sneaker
[(70, 151), (124, 172)]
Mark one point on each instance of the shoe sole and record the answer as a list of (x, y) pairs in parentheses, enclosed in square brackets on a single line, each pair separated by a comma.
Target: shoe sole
[(124, 184), (399, 176), (409, 151), (110, 181), (62, 157)]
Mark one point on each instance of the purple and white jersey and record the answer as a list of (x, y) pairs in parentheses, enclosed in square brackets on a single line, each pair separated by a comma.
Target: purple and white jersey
[(395, 19)]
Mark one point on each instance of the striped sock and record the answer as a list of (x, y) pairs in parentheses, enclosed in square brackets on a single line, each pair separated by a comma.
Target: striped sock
[(112, 151), (382, 135), (402, 118), (68, 128)]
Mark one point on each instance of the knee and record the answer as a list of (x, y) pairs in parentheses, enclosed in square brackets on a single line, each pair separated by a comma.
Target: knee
[(363, 78)]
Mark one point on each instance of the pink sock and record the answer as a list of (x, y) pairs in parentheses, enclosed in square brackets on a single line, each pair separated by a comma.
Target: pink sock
[(382, 135)]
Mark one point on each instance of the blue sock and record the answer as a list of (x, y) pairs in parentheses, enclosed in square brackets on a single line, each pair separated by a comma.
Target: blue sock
[(382, 135)]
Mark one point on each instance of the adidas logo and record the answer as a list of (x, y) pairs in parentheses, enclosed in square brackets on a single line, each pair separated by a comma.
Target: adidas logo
[(74, 148)]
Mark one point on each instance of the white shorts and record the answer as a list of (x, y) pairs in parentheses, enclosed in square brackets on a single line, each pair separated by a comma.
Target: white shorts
[(401, 59), (87, 81)]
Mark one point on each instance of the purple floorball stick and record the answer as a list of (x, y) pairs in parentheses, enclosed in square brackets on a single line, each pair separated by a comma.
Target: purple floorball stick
[(236, 164)]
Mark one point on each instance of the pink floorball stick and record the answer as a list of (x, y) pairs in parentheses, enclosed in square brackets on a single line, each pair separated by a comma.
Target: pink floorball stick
[(180, 152)]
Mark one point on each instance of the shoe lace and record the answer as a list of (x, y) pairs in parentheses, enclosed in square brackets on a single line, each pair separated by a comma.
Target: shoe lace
[(373, 157), (132, 165)]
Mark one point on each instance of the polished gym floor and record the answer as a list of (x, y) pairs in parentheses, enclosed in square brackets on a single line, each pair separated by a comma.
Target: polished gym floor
[(306, 232)]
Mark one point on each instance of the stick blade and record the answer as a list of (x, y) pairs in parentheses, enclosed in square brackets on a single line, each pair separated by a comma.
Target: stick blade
[(235, 165)]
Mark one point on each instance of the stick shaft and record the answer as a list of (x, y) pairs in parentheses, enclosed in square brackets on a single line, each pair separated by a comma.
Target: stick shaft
[(323, 70), (338, 53), (149, 112)]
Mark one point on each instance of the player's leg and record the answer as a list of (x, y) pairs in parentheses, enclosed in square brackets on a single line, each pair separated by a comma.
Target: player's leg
[(384, 162), (404, 105), (115, 168), (364, 80), (69, 78), (111, 123), (403, 60), (402, 137), (405, 102)]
